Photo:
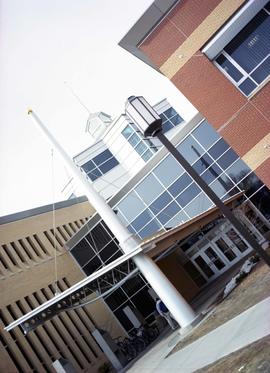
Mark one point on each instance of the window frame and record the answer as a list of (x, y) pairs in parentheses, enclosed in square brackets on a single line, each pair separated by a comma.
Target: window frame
[(149, 145), (216, 47), (90, 174)]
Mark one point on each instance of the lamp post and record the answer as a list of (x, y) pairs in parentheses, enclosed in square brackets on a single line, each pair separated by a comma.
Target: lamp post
[(150, 124)]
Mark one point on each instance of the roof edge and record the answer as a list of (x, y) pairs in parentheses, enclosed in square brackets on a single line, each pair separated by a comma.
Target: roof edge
[(144, 26), (41, 210)]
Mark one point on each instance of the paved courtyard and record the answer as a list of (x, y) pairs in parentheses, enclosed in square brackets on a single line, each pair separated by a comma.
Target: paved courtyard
[(235, 323)]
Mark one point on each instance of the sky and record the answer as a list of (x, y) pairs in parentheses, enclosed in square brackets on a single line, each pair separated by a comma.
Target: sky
[(48, 46)]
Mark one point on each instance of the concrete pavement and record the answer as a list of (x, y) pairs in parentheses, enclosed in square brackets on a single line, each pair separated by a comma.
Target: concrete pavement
[(248, 327)]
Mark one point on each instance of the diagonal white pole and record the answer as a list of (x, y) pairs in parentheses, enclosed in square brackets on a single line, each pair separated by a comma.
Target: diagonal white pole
[(177, 305)]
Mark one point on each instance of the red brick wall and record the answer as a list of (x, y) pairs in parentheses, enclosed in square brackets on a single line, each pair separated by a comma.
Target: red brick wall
[(189, 14), (240, 122), (246, 130), (208, 90), (263, 172), (161, 44), (175, 28), (262, 101)]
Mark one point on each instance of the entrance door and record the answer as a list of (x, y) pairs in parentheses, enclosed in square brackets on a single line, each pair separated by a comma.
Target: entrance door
[(237, 242), (226, 248), (209, 262)]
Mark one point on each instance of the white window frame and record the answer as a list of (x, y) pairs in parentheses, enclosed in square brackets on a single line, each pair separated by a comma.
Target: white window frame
[(216, 46), (150, 147)]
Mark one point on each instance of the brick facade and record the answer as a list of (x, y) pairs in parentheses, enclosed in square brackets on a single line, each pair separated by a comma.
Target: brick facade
[(241, 122)]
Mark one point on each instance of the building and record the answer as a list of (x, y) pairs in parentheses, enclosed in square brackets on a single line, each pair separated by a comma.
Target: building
[(27, 279), (217, 53), (158, 201)]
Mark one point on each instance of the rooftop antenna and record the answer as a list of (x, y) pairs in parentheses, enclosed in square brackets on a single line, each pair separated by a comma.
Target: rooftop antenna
[(77, 97)]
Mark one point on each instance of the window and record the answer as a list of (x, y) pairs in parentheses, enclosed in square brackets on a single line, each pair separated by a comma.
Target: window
[(170, 119), (144, 147), (100, 165), (245, 60)]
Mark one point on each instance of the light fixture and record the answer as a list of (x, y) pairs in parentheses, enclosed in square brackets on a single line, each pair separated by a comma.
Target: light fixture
[(142, 113)]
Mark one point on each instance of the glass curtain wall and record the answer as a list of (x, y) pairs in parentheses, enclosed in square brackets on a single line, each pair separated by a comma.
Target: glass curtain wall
[(166, 197)]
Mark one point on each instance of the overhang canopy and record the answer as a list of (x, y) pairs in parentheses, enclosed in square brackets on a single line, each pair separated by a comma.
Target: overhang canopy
[(160, 242)]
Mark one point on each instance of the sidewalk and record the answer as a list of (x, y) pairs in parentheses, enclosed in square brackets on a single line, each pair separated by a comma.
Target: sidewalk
[(248, 327)]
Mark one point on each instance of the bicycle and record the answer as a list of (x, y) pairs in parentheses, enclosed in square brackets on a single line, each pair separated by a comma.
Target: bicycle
[(126, 347)]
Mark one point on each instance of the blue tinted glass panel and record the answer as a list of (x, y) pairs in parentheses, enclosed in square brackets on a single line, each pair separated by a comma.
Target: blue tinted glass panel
[(141, 148), (149, 229), (88, 166), (168, 213), (166, 126), (168, 170), (229, 68), (221, 185), (149, 189), (162, 116), (190, 149), (107, 166), (94, 174), (178, 219), (102, 157), (199, 205), (219, 148), (142, 220), (227, 159), (131, 206), (180, 184), (188, 195), (170, 112), (121, 216), (202, 164), (147, 155), (134, 139), (247, 86), (205, 134), (128, 131), (211, 174), (176, 119), (131, 229), (160, 202), (252, 44), (238, 171), (262, 72)]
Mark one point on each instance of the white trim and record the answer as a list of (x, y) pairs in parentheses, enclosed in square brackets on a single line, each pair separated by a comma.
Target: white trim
[(233, 27)]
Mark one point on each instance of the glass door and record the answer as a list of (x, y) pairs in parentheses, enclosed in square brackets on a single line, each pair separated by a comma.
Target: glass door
[(241, 245), (226, 248), (209, 262)]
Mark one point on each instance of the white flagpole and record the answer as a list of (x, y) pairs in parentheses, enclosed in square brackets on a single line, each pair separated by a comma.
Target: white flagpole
[(177, 305)]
